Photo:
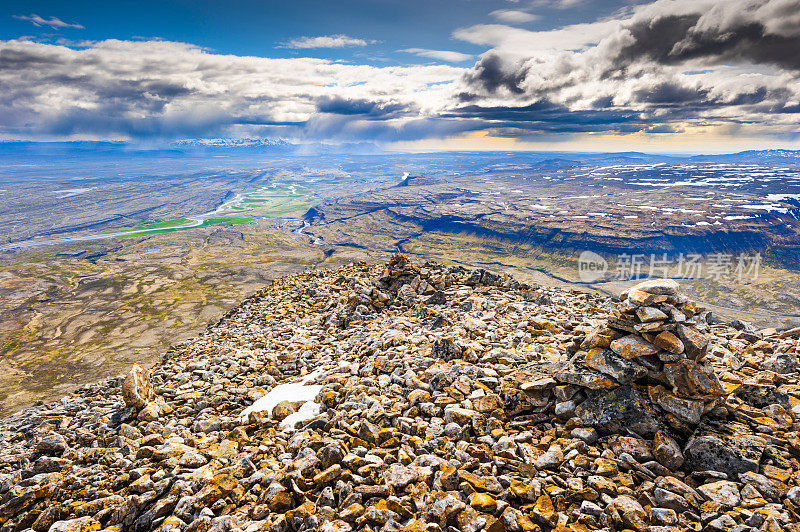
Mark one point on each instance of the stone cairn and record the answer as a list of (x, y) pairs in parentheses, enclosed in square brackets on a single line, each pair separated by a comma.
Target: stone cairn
[(642, 372)]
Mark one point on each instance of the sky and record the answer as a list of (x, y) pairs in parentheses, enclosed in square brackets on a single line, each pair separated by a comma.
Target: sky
[(596, 75)]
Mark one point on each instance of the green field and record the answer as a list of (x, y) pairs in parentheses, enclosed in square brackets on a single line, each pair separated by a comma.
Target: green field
[(167, 223), (158, 224), (279, 201), (222, 220)]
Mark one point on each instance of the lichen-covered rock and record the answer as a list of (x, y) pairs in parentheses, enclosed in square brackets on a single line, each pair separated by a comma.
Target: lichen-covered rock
[(80, 524), (624, 407), (136, 388), (633, 346), (732, 454), (667, 451), (434, 398)]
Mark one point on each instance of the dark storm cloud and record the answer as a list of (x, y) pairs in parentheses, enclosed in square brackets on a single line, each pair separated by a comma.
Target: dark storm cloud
[(675, 39), (547, 116), (345, 106), (758, 32), (492, 73), (669, 93), (705, 60)]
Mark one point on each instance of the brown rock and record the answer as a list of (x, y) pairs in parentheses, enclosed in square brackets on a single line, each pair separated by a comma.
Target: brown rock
[(543, 512), (648, 314), (620, 369), (281, 501), (483, 502), (696, 345), (689, 379), (639, 297), (667, 451), (282, 410), (631, 512), (686, 409), (487, 403), (668, 341), (633, 346), (328, 475), (136, 388)]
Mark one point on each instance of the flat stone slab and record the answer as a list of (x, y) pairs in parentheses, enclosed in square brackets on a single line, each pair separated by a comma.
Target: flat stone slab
[(633, 346), (660, 287)]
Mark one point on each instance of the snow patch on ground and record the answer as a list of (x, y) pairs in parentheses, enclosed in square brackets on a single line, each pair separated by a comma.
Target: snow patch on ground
[(782, 197), (308, 411), (294, 392), (768, 207)]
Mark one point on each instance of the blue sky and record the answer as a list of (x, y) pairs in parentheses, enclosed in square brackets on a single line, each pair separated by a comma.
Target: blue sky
[(259, 27), (664, 75)]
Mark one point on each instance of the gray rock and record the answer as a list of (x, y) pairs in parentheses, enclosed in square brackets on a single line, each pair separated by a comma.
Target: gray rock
[(665, 287), (761, 395), (52, 443), (621, 369), (136, 388), (613, 411), (399, 476), (589, 435), (663, 516), (722, 492), (715, 451), (783, 363), (723, 523)]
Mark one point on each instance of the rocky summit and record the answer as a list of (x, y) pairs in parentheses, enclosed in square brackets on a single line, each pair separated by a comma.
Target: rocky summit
[(426, 398)]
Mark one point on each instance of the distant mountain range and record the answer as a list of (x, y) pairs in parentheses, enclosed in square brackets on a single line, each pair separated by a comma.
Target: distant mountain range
[(754, 156), (259, 146)]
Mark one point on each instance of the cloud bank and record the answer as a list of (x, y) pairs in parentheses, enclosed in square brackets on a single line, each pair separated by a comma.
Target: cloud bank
[(670, 67), (144, 89)]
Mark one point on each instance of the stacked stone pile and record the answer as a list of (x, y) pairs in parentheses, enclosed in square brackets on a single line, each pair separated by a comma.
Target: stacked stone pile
[(643, 371), (446, 400)]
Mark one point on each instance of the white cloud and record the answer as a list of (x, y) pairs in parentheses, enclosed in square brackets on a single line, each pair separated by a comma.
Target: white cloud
[(442, 55), (513, 16), (560, 4), (325, 41), (53, 22), (128, 89), (524, 43)]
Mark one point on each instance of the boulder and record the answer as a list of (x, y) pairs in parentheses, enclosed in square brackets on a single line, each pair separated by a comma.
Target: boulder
[(633, 346), (661, 287), (136, 388), (619, 409), (620, 369), (711, 450)]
